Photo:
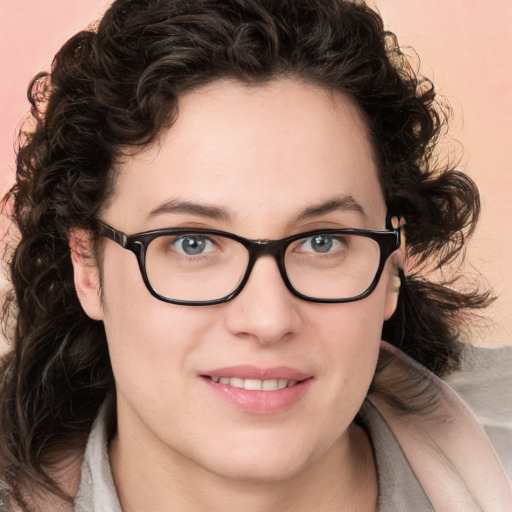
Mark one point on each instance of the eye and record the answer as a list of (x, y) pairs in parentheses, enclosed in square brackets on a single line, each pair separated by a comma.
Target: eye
[(321, 243), (191, 245)]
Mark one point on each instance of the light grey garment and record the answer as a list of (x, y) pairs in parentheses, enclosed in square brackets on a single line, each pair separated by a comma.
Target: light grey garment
[(399, 489), (485, 384), (97, 491)]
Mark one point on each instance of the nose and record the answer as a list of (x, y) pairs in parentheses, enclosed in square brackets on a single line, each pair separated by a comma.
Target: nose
[(265, 310)]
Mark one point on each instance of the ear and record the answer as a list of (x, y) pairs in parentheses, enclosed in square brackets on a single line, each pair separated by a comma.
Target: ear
[(396, 263), (86, 273)]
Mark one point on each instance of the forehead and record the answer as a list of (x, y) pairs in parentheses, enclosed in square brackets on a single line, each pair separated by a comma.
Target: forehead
[(262, 153)]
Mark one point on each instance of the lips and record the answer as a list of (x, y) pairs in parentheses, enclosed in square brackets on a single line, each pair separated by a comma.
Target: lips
[(257, 379), (258, 390)]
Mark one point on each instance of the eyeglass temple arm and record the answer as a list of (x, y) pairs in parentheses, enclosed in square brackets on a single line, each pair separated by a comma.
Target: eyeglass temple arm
[(113, 234)]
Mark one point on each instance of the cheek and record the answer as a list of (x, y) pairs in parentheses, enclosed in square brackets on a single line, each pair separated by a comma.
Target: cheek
[(345, 341), (151, 335), (152, 353), (351, 337), (149, 340)]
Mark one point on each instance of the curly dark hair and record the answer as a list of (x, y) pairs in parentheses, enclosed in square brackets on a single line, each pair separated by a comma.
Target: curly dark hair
[(116, 86)]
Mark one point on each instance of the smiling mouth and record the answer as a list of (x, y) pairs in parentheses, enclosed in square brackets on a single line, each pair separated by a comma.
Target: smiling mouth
[(258, 390), (255, 384)]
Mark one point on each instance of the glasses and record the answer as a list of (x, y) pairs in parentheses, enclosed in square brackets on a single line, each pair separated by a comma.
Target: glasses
[(196, 267)]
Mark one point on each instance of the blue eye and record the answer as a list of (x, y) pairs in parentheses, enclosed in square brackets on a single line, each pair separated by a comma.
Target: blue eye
[(192, 245), (320, 243)]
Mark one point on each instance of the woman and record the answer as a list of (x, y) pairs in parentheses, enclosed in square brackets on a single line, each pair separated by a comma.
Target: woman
[(262, 160)]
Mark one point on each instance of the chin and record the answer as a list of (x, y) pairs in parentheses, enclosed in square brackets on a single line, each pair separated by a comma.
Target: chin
[(255, 463), (259, 471)]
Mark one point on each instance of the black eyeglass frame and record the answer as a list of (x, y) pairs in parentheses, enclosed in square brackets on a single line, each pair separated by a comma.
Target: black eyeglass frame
[(388, 241)]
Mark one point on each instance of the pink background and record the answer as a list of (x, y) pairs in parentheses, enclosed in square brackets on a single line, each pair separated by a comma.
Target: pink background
[(465, 46)]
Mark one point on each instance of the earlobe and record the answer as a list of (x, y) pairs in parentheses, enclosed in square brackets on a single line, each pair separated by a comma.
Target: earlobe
[(392, 296), (86, 273)]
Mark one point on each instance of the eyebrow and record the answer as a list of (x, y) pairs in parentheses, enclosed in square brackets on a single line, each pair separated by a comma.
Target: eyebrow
[(343, 203), (203, 210)]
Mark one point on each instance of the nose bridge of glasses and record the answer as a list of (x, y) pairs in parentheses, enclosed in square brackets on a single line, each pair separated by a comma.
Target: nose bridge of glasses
[(264, 247)]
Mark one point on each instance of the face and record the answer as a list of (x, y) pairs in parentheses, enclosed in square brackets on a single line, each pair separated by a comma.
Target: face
[(263, 156)]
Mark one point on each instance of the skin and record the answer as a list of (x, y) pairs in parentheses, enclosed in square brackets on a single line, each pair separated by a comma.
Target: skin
[(263, 154)]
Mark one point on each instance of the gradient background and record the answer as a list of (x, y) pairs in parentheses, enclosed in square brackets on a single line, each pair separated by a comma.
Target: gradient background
[(465, 47)]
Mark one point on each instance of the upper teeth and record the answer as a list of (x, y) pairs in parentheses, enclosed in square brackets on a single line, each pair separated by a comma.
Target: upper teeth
[(256, 384)]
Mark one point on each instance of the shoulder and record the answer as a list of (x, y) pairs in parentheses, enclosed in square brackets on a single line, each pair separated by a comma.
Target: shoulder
[(444, 442), (485, 382)]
